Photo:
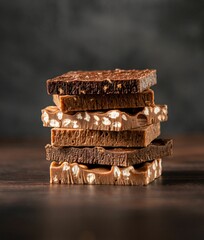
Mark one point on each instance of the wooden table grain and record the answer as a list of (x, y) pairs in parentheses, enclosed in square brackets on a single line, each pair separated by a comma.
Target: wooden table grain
[(172, 207)]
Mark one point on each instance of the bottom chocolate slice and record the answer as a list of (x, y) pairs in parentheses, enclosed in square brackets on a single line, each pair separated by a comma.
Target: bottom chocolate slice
[(74, 173)]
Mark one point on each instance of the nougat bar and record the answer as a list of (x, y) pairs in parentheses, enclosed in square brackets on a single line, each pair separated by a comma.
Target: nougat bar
[(140, 137), (116, 81), (73, 173), (112, 120), (110, 156), (71, 103)]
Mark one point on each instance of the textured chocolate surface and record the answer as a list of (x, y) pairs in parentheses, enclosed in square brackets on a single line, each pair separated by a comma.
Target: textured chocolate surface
[(69, 103), (73, 173), (112, 120), (140, 137), (110, 156), (102, 82)]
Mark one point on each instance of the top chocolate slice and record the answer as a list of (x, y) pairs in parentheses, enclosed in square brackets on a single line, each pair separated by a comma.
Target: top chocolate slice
[(102, 82)]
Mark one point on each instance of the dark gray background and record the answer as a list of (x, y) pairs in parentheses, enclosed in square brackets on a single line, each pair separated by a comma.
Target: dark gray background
[(42, 39)]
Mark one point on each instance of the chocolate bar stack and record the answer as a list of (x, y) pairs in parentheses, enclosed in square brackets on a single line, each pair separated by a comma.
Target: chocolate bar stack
[(104, 128)]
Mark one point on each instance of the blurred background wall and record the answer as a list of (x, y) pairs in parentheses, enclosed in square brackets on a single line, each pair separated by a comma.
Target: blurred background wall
[(42, 39)]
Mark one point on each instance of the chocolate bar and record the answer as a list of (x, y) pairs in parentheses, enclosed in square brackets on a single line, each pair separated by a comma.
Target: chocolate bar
[(110, 156), (73, 173), (113, 120), (140, 137), (68, 103), (102, 82)]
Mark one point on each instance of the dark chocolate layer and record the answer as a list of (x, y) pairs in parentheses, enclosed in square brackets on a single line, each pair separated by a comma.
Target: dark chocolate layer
[(110, 156), (102, 82)]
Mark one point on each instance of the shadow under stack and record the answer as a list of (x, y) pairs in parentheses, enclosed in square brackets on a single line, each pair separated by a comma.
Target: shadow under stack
[(104, 128)]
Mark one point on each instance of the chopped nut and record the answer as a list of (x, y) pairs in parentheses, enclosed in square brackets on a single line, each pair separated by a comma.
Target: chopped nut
[(126, 171), (106, 121), (116, 172), (146, 111), (96, 118), (79, 116), (54, 123), (87, 117), (75, 170), (45, 117), (59, 115), (124, 117), (117, 124), (90, 177), (55, 179), (113, 114), (66, 167), (156, 109), (75, 124), (66, 122)]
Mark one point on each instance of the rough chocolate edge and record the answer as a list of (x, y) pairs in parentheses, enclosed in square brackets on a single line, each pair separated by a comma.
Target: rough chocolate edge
[(159, 148), (101, 87)]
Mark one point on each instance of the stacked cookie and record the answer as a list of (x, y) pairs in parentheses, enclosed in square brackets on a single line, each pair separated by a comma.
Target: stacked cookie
[(104, 128)]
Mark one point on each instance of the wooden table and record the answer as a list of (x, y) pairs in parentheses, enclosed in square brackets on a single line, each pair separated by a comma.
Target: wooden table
[(172, 207)]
